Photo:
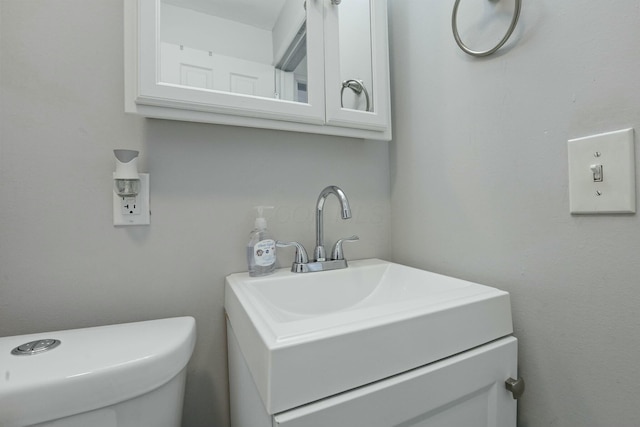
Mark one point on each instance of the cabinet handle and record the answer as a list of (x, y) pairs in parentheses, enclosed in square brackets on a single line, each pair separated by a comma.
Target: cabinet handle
[(358, 87), (516, 387), (336, 2)]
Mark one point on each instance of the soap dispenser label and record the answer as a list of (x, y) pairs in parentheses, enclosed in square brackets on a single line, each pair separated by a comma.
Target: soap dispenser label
[(264, 252)]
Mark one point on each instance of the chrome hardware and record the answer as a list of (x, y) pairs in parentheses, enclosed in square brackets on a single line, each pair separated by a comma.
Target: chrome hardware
[(35, 347), (336, 2), (516, 387), (465, 49), (301, 262), (312, 267), (337, 252), (301, 253), (319, 253), (300, 259), (358, 87)]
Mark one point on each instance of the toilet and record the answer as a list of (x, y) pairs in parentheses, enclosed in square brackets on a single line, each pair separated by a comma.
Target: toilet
[(127, 375)]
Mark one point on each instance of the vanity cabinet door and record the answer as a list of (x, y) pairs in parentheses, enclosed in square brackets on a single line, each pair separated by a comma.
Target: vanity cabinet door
[(463, 390), (357, 64)]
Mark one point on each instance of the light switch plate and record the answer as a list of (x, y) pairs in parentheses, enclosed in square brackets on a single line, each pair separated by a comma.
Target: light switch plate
[(616, 193)]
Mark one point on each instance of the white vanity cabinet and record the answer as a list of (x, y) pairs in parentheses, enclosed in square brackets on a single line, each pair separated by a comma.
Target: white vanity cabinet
[(315, 67), (377, 344), (463, 391), (467, 389)]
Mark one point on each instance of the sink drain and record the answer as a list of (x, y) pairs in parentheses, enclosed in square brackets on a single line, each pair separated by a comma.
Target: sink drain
[(35, 347)]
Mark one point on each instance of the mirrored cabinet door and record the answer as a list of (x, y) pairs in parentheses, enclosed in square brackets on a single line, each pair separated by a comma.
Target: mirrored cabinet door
[(228, 56), (356, 62)]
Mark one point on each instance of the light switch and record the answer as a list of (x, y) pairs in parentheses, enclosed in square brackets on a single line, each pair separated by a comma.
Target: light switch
[(602, 173), (597, 173)]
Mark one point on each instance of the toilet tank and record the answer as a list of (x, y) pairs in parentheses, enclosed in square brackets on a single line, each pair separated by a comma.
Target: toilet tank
[(127, 375)]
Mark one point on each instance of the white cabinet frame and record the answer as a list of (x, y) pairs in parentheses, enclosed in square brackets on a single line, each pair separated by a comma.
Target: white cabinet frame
[(146, 95)]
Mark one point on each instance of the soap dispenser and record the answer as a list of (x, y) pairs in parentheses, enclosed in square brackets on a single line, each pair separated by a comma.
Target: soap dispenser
[(261, 249)]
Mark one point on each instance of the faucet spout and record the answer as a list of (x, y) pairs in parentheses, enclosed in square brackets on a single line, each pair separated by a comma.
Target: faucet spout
[(345, 210)]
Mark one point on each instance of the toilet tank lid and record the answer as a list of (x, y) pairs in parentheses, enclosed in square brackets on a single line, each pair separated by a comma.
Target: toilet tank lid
[(90, 368)]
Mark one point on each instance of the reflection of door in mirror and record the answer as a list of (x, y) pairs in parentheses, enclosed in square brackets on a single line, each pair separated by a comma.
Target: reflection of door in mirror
[(354, 26), (247, 47)]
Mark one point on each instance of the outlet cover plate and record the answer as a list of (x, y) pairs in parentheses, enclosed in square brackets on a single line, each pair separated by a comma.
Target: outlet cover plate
[(141, 214), (614, 151)]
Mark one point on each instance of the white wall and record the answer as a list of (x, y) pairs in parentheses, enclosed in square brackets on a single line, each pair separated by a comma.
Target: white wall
[(479, 190), (63, 264)]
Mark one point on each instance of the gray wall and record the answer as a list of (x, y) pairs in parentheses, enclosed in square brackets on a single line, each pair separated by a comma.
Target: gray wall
[(63, 264), (479, 188)]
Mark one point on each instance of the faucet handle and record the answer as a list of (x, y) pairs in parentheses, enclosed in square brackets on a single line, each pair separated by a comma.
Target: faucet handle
[(301, 254), (336, 252)]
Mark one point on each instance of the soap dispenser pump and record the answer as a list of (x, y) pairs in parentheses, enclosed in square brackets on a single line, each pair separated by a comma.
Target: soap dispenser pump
[(261, 249)]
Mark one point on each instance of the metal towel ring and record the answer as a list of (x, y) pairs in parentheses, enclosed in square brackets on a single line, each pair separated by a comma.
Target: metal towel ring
[(454, 26), (358, 87)]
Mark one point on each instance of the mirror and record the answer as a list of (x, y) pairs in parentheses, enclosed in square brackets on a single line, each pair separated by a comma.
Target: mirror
[(247, 47), (354, 40)]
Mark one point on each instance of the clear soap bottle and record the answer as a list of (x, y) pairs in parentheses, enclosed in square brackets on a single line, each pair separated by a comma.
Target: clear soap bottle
[(261, 249)]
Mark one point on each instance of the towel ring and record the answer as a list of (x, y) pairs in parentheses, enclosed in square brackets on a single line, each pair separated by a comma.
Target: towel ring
[(358, 87), (456, 35)]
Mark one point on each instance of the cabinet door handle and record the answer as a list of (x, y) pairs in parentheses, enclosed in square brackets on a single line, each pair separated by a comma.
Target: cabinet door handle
[(358, 87), (516, 387), (336, 2)]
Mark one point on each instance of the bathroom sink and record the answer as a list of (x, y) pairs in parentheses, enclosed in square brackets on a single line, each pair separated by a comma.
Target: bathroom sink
[(308, 336)]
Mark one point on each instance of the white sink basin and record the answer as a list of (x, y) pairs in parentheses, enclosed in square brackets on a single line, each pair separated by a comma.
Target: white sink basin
[(312, 335)]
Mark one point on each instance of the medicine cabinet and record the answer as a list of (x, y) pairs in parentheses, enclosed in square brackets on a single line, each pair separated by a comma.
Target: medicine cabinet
[(316, 66)]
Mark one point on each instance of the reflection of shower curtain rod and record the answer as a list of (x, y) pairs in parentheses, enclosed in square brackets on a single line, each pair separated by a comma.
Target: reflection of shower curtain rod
[(296, 51)]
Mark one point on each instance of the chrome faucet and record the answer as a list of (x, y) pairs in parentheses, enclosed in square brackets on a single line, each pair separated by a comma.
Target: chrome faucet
[(301, 263), (345, 211)]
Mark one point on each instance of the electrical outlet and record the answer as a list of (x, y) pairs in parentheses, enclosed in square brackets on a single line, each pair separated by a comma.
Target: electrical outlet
[(129, 206), (133, 210)]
